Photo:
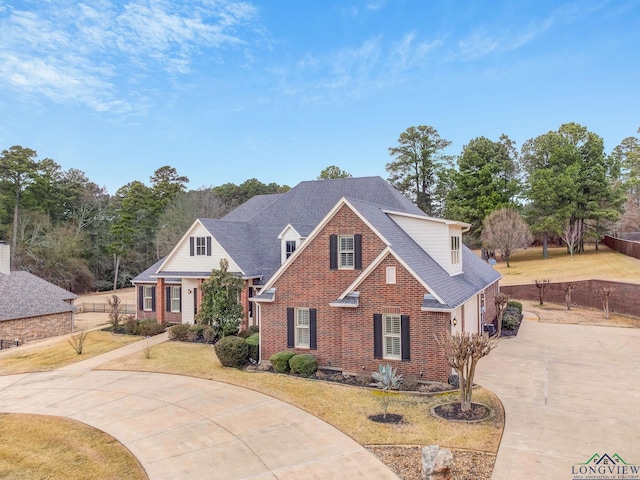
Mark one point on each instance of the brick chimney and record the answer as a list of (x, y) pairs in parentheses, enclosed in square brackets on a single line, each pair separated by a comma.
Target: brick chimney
[(5, 258)]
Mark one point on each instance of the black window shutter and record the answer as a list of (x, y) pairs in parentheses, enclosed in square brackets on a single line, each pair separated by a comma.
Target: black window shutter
[(377, 335), (208, 246), (153, 299), (290, 328), (404, 341), (333, 252), (313, 337), (180, 297), (141, 297), (167, 298), (357, 252), (191, 246)]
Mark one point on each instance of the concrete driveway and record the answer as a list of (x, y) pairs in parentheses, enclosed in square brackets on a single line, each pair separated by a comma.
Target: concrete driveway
[(182, 427), (569, 392)]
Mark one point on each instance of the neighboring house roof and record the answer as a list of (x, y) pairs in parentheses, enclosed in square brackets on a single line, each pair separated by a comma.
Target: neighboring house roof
[(23, 295), (250, 235), (146, 276)]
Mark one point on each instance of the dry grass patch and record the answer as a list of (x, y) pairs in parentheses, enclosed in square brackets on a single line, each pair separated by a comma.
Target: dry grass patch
[(556, 313), (603, 264), (34, 359), (344, 407), (37, 446)]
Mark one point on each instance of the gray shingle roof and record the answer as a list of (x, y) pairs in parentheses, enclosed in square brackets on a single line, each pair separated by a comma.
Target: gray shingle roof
[(24, 295), (250, 233)]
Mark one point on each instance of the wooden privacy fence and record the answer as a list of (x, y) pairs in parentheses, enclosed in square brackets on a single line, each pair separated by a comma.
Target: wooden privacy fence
[(625, 300), (125, 308), (629, 248)]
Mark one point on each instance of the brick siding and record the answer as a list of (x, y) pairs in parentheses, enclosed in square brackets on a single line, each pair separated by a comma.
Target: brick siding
[(345, 335), (36, 328)]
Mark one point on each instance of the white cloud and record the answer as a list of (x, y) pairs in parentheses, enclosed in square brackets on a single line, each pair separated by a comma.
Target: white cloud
[(92, 52)]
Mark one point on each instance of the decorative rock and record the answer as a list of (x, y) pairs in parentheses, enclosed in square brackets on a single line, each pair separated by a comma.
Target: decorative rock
[(436, 463)]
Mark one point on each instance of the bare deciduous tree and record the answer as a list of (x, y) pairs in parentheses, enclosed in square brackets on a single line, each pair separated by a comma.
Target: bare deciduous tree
[(542, 286), (500, 301), (571, 233), (604, 294), (115, 317), (505, 230), (462, 351), (568, 288), (77, 341)]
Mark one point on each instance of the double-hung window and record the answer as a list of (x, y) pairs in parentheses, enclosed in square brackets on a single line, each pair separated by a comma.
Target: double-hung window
[(455, 250), (302, 328), (346, 250), (391, 336), (201, 245), (175, 299), (147, 295)]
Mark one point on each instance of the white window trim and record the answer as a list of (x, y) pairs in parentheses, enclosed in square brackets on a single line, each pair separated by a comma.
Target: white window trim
[(387, 336), (348, 252), (147, 298), (201, 246), (175, 293), (455, 249), (287, 254), (299, 327), (391, 275)]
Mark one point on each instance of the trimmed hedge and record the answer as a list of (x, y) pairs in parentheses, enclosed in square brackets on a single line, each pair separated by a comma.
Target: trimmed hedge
[(280, 361), (249, 331), (304, 364), (232, 351), (514, 304), (253, 342)]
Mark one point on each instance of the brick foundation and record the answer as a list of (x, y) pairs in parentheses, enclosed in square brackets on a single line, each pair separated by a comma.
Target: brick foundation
[(36, 328)]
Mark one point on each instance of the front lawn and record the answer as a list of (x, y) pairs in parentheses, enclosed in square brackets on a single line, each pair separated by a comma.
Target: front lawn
[(345, 407), (30, 358)]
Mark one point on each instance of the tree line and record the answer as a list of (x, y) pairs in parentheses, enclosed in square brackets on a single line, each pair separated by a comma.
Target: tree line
[(70, 231), (562, 182), (67, 229)]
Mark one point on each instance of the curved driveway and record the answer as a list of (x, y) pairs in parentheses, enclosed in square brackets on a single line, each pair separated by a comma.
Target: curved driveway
[(182, 427), (569, 392)]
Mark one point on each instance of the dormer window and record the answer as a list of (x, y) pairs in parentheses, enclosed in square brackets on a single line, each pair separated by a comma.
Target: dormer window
[(290, 247)]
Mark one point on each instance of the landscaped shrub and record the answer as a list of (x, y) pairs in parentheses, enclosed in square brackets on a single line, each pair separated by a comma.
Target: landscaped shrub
[(209, 334), (280, 361), (305, 364), (149, 328), (198, 329), (249, 331), (253, 342), (232, 351), (130, 326), (179, 333), (514, 304), (510, 319)]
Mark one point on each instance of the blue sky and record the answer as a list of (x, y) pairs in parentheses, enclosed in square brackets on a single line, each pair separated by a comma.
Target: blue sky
[(278, 90)]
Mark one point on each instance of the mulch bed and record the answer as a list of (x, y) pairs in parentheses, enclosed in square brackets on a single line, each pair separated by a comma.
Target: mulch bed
[(406, 462), (392, 418), (453, 411)]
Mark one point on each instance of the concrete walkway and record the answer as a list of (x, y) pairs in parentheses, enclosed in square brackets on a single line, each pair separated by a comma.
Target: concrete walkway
[(182, 427), (569, 391)]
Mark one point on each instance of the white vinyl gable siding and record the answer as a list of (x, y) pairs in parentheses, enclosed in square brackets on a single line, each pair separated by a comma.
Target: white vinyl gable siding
[(433, 237), (181, 260)]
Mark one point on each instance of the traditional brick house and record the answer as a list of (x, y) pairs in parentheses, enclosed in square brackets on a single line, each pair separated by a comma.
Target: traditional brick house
[(348, 270), (31, 308)]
